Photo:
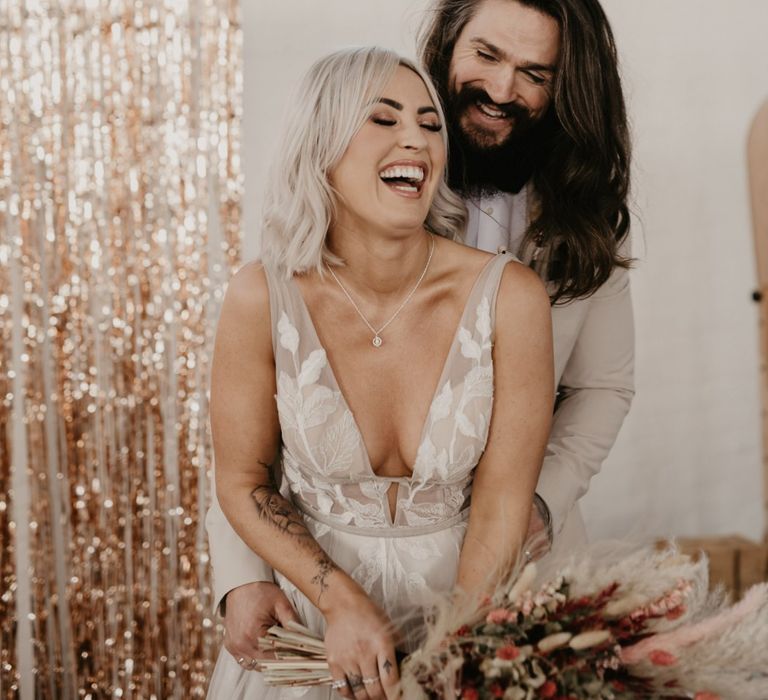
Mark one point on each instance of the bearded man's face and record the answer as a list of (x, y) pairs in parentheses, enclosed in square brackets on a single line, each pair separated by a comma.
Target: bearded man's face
[(501, 74)]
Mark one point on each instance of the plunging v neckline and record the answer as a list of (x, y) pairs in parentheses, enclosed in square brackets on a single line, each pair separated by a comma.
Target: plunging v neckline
[(441, 380)]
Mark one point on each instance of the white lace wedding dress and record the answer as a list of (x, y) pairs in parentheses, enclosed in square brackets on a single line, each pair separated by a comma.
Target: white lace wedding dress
[(400, 561)]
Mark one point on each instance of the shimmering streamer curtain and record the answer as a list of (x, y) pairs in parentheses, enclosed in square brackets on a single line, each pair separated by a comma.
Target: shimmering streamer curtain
[(120, 190)]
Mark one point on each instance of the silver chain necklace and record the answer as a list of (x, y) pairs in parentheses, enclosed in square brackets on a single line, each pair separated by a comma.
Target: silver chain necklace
[(377, 341)]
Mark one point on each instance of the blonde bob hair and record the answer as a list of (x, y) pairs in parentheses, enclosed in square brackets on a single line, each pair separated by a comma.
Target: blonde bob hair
[(334, 100)]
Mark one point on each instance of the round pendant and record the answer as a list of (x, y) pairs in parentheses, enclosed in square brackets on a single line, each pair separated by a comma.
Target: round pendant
[(376, 341)]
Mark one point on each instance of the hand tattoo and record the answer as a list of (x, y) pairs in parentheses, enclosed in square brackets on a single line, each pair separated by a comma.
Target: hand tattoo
[(387, 666), (355, 682)]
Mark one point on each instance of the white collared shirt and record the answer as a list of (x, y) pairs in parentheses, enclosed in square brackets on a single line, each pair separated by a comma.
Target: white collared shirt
[(497, 223)]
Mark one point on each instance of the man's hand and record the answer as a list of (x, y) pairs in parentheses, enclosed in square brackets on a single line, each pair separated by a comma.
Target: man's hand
[(251, 610), (537, 541)]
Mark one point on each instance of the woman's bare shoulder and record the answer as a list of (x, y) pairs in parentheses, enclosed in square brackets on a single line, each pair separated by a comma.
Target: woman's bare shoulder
[(522, 296), (465, 253), (248, 291), (245, 314), (518, 281), (521, 279), (460, 264)]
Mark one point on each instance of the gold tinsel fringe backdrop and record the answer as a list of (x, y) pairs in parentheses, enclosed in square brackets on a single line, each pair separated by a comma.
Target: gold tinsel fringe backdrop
[(119, 225)]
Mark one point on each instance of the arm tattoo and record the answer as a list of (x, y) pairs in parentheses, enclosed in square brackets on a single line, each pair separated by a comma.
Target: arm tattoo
[(281, 514), (325, 568)]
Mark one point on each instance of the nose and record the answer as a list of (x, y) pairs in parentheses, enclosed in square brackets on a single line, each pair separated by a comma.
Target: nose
[(412, 136), (502, 87)]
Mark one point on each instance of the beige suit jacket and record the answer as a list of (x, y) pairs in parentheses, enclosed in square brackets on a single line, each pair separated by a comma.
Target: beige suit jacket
[(594, 373)]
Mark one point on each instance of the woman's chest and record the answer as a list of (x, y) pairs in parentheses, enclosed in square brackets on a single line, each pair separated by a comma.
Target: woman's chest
[(389, 389)]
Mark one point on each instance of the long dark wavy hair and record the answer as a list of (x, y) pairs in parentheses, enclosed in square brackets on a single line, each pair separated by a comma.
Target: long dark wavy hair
[(581, 176)]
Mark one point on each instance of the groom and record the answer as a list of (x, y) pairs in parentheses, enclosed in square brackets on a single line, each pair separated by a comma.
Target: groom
[(539, 150)]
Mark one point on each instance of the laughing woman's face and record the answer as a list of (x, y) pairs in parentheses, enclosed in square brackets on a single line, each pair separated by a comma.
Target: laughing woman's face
[(388, 175)]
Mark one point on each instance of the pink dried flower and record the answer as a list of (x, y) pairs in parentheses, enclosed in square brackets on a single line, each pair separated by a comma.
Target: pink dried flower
[(669, 602), (676, 613), (499, 616), (686, 635), (548, 690), (508, 652), (659, 657)]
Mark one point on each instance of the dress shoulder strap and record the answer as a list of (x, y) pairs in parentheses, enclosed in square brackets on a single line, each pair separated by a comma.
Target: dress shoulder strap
[(487, 284), (285, 304)]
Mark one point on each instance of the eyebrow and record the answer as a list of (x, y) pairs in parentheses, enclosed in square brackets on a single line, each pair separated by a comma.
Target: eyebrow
[(527, 65), (398, 106)]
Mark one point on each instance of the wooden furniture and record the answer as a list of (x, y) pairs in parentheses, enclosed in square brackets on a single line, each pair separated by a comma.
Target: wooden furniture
[(734, 562)]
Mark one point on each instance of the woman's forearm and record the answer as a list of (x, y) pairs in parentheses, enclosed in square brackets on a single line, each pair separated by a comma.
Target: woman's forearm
[(476, 565), (490, 550), (286, 523), (272, 526)]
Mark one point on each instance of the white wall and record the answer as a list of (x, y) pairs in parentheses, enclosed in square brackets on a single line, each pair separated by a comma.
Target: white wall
[(688, 458)]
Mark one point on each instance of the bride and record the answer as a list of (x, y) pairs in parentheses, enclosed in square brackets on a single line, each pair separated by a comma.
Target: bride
[(390, 371)]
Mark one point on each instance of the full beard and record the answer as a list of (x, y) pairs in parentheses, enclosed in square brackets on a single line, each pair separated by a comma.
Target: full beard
[(477, 167)]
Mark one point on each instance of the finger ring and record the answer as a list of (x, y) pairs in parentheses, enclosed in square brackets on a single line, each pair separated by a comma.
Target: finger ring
[(240, 660), (253, 663), (527, 554), (355, 681), (338, 685), (370, 681)]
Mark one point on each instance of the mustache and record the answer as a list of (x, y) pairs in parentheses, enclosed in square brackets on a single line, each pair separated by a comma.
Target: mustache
[(469, 95)]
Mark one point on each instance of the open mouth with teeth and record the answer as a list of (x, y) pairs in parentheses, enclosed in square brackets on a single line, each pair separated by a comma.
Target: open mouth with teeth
[(490, 111), (403, 178)]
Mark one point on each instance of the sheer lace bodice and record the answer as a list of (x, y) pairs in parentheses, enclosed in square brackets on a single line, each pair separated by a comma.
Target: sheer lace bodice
[(324, 459)]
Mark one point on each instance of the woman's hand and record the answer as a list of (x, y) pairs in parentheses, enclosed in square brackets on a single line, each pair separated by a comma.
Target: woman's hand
[(360, 646)]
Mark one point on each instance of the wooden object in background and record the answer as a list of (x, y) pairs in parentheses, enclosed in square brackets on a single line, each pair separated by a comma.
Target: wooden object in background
[(734, 561), (757, 159)]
